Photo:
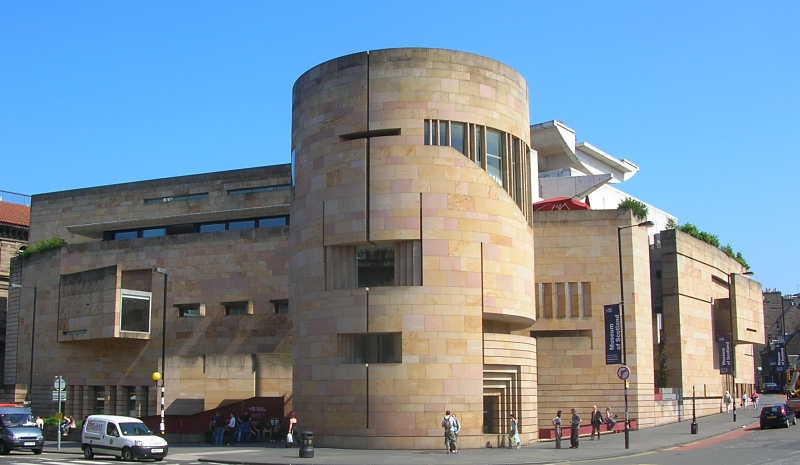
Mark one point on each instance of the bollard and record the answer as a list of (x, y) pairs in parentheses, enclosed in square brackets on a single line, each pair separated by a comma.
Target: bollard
[(694, 428), (306, 445)]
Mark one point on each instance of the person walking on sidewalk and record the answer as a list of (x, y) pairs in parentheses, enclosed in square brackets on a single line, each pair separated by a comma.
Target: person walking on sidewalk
[(448, 423), (574, 429), (754, 398), (596, 420), (728, 401), (513, 433), (557, 425)]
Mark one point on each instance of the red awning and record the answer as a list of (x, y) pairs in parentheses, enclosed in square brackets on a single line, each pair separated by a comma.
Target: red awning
[(559, 203)]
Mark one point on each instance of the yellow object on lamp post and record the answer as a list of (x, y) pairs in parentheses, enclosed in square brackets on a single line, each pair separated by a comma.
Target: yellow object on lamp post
[(156, 376)]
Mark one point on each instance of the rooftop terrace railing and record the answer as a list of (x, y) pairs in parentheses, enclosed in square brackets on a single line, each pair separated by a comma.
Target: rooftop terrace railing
[(13, 197)]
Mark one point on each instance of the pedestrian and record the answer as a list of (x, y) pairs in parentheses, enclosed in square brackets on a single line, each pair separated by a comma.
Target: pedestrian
[(456, 429), (557, 424), (219, 429), (610, 421), (449, 435), (728, 401), (39, 423), (513, 433), (744, 400), (574, 427), (596, 421), (754, 398), (290, 436), (231, 430)]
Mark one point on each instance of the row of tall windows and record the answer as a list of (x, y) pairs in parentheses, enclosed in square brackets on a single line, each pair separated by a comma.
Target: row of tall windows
[(563, 300), (171, 230), (204, 195), (504, 157)]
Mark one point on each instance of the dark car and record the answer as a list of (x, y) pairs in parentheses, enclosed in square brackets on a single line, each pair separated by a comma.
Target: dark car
[(777, 415), (770, 388)]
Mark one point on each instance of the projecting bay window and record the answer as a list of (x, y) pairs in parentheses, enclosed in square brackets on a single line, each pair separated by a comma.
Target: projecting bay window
[(135, 311)]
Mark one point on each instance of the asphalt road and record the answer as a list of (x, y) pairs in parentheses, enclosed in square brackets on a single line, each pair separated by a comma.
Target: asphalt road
[(719, 441)]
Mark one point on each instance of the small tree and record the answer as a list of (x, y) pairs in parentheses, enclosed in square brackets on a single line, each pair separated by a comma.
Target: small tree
[(672, 224), (638, 208)]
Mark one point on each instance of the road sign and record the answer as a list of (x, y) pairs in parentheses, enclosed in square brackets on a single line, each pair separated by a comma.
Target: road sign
[(59, 396), (59, 384), (623, 372)]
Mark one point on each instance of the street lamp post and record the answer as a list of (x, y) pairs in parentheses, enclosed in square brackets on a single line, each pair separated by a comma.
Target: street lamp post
[(645, 224), (28, 396), (163, 346), (733, 346), (783, 345)]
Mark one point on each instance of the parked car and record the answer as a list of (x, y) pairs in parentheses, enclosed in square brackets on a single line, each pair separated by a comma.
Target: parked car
[(777, 415), (770, 388)]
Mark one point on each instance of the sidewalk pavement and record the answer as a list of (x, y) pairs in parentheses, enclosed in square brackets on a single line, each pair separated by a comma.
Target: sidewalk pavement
[(611, 445)]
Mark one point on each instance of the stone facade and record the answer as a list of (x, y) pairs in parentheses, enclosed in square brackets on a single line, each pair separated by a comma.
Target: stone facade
[(695, 283), (370, 173), (577, 273), (212, 357)]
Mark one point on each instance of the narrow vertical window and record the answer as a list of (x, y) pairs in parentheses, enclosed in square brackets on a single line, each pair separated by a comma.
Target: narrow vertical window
[(516, 167), (427, 132), (478, 145), (494, 155), (457, 136), (443, 133)]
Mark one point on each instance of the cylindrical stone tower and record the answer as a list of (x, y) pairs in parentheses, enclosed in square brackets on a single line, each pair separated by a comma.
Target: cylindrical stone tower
[(412, 255)]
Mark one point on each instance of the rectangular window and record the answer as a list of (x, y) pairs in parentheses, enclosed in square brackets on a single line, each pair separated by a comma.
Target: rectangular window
[(457, 131), (375, 265), (427, 135), (494, 155), (154, 232), (214, 227), (273, 222), (479, 146), (191, 310), (281, 306), (237, 225), (177, 197), (99, 400), (132, 401), (378, 348), (516, 168), (122, 235), (443, 133), (238, 308), (586, 299), (135, 311), (248, 190)]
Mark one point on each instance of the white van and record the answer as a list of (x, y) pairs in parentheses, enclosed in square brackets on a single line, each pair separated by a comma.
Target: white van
[(123, 437)]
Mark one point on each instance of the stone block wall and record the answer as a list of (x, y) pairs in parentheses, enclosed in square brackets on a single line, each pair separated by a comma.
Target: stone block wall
[(579, 250), (365, 176)]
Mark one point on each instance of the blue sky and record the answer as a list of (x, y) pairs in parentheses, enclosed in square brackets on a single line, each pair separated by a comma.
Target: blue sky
[(702, 96)]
